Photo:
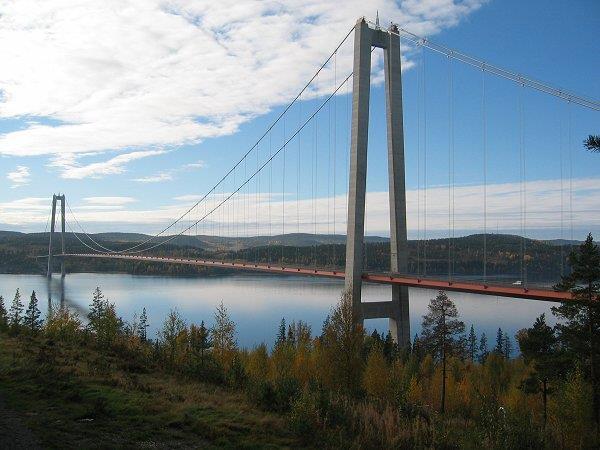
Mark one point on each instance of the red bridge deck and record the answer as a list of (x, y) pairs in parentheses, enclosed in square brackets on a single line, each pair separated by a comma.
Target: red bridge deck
[(382, 278)]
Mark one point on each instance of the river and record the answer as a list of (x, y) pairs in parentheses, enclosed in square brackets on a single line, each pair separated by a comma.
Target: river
[(257, 302)]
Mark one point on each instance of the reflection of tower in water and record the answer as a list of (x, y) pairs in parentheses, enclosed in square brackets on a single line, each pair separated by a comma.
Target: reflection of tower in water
[(58, 298), (56, 290)]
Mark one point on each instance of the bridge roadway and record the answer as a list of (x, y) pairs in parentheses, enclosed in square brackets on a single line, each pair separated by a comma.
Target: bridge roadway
[(381, 278)]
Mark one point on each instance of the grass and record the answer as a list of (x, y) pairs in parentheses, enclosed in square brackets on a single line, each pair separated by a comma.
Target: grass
[(72, 396)]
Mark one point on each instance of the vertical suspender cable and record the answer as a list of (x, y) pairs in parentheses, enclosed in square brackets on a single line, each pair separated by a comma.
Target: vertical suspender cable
[(328, 179), (419, 98), (424, 166), (521, 221), (484, 137), (562, 205), (334, 151), (283, 191), (450, 167), (256, 203), (270, 199), (570, 105), (315, 175), (523, 188), (298, 184)]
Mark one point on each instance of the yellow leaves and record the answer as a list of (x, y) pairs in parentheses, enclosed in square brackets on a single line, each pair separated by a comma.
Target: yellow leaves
[(376, 377), (413, 393), (257, 363), (304, 365)]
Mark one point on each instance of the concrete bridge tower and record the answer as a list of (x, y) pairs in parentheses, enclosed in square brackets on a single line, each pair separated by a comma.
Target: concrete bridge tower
[(56, 198), (366, 37)]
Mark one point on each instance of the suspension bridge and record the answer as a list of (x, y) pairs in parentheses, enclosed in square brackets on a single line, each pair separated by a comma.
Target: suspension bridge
[(307, 173)]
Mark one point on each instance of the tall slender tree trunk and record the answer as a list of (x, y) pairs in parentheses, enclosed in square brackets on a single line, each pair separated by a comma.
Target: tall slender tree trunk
[(545, 396), (443, 408), (595, 402)]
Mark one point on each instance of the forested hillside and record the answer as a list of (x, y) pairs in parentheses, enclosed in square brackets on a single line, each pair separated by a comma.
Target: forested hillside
[(543, 260)]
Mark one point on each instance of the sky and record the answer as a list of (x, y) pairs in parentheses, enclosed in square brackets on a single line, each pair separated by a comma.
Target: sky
[(135, 109)]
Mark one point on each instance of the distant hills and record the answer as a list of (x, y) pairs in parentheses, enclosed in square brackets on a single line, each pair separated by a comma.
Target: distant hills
[(544, 259), (207, 242)]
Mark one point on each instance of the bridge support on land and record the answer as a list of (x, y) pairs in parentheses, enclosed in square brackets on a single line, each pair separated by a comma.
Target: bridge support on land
[(56, 198), (397, 309)]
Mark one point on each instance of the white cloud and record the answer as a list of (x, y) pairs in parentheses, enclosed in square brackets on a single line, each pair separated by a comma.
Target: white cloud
[(123, 75), (163, 176), (196, 165), (109, 201), (543, 218), (73, 170), (168, 175), (19, 177)]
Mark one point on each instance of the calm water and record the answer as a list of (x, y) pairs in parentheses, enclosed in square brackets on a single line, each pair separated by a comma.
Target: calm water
[(258, 302)]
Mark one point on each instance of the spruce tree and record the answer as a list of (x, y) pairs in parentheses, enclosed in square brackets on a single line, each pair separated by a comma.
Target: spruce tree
[(3, 315), (281, 333), (143, 326), (97, 310), (441, 333), (199, 341), (32, 315), (483, 348), (390, 348), (507, 346), (579, 329), (291, 334), (15, 313), (499, 348), (472, 344)]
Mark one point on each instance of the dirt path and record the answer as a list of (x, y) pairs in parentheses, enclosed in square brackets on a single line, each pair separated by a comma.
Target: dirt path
[(13, 432)]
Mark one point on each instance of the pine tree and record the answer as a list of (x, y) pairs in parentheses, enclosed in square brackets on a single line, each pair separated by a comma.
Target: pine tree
[(3, 315), (281, 333), (441, 333), (472, 344), (143, 326), (15, 312), (32, 315), (539, 345), (499, 348), (579, 329), (483, 348), (592, 143), (507, 346)]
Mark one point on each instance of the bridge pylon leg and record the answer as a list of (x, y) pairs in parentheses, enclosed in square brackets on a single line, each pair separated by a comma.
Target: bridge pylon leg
[(50, 246), (62, 235), (396, 310), (56, 198)]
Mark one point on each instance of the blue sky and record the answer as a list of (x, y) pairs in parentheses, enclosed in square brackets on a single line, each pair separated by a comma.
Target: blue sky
[(149, 117)]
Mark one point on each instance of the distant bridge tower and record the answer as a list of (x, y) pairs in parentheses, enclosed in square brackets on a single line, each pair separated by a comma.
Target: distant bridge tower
[(396, 310), (56, 198)]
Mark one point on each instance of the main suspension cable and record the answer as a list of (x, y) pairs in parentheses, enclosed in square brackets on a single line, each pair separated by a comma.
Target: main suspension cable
[(268, 130)]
